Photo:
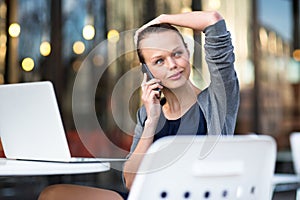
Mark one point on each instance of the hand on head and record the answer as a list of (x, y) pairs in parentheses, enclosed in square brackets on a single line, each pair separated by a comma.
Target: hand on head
[(152, 22)]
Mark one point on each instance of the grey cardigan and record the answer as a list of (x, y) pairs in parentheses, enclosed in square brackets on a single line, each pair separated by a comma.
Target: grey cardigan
[(219, 102)]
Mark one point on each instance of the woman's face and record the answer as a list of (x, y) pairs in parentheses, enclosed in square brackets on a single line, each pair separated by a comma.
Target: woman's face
[(167, 58)]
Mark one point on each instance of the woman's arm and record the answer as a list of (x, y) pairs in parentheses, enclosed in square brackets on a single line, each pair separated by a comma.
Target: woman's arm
[(132, 164), (196, 20), (151, 113), (223, 90)]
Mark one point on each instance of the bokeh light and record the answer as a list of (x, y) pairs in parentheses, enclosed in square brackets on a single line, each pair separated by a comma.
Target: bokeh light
[(88, 32), (296, 54), (27, 64), (78, 47), (45, 48), (14, 30), (113, 36)]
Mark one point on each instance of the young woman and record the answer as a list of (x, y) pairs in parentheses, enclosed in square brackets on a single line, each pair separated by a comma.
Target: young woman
[(184, 108)]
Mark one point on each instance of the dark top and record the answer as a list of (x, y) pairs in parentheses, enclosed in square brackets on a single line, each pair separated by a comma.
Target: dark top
[(193, 120)]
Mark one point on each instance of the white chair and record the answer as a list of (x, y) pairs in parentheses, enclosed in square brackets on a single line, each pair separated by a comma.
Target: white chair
[(295, 150), (207, 167), (287, 182)]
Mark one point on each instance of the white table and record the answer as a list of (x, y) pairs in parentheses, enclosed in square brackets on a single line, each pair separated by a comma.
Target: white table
[(32, 168)]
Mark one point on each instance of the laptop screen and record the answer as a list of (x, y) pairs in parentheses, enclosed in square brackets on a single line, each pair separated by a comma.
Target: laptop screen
[(30, 122)]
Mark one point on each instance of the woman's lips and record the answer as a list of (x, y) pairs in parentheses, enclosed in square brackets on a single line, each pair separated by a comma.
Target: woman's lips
[(175, 76)]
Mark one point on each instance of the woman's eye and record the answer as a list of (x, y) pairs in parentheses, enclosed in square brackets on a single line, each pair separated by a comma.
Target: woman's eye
[(159, 61), (177, 54)]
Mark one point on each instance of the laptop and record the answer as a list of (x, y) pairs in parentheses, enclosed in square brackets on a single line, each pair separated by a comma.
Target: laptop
[(31, 127)]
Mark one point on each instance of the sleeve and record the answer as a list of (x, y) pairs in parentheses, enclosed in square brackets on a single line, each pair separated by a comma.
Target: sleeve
[(222, 95), (141, 117)]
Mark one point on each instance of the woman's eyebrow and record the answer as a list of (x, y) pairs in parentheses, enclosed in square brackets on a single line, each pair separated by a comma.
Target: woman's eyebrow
[(177, 48), (155, 57)]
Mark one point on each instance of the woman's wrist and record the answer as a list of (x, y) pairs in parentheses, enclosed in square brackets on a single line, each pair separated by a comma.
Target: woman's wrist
[(151, 123)]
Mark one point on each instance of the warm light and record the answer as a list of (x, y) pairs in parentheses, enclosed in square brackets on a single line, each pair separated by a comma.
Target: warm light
[(45, 49), (214, 4), (113, 36), (76, 65), (186, 9), (263, 37), (3, 39), (78, 47), (1, 79), (272, 43), (98, 60), (88, 32), (279, 46), (3, 9), (296, 54), (2, 51), (14, 30), (27, 64)]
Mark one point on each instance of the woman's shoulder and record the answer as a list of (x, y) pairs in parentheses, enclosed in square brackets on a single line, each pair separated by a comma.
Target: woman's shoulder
[(203, 93)]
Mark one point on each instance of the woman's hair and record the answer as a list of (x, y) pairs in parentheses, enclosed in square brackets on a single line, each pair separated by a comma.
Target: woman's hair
[(156, 28)]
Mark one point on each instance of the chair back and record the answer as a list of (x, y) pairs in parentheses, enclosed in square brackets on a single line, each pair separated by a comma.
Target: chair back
[(295, 150), (207, 167)]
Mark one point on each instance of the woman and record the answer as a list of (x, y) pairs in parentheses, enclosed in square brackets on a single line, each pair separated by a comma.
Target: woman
[(184, 109), (187, 109)]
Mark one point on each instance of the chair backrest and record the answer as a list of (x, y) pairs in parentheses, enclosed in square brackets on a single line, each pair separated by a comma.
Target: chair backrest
[(295, 150), (206, 167)]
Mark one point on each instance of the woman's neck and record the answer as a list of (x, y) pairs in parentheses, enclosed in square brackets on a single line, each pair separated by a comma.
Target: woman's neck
[(179, 100)]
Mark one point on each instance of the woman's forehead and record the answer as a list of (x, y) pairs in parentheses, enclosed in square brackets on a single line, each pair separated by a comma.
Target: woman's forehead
[(163, 40)]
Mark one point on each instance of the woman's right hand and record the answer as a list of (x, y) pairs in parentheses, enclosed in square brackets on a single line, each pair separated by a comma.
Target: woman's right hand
[(151, 98)]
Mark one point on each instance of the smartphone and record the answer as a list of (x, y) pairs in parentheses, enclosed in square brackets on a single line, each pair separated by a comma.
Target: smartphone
[(145, 69)]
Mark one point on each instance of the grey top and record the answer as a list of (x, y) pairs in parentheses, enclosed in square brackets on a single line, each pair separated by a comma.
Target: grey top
[(219, 102)]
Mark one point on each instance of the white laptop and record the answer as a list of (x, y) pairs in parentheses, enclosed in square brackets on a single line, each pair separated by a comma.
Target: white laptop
[(31, 127)]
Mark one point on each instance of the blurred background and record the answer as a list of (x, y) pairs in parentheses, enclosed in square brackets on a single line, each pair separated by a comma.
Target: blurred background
[(49, 40)]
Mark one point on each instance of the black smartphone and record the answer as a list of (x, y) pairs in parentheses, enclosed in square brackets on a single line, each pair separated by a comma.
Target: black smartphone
[(145, 69)]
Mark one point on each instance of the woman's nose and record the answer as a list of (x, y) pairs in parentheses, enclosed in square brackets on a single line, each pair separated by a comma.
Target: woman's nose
[(171, 63)]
